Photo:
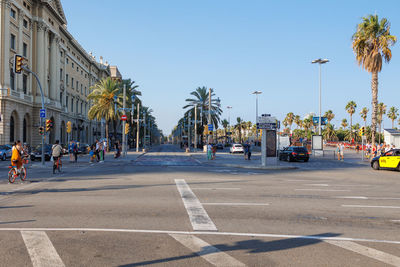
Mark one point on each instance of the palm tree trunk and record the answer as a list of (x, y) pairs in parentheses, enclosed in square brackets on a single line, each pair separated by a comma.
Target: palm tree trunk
[(351, 127), (374, 88), (108, 141), (392, 124)]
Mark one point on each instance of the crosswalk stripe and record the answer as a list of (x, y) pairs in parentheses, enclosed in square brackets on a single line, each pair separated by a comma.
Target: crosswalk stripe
[(210, 253), (41, 250), (197, 214), (366, 251)]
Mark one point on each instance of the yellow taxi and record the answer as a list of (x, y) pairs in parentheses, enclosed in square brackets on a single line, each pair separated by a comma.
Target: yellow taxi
[(389, 160)]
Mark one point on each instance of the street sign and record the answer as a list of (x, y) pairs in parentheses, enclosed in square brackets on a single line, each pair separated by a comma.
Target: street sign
[(268, 125), (324, 120), (42, 113), (123, 118), (266, 119), (210, 127)]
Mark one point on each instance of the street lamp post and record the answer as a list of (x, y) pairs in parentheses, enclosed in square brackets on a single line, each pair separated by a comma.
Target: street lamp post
[(256, 93), (320, 62)]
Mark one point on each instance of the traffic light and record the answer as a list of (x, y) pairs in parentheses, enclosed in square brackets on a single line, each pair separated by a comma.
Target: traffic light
[(18, 62), (49, 125), (362, 131), (41, 130), (69, 127), (127, 128)]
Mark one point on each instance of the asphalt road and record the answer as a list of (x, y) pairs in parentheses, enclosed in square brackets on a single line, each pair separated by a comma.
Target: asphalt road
[(165, 208)]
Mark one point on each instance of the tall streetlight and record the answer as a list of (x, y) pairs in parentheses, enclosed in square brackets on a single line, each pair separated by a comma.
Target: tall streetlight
[(256, 93), (320, 62)]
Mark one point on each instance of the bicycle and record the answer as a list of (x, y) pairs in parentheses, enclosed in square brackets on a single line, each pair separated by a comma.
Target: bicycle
[(57, 165), (13, 173)]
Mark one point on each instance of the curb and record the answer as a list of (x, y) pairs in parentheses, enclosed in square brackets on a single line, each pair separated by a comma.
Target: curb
[(259, 167)]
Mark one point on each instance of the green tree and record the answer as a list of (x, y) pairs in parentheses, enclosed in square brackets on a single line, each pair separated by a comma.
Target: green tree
[(381, 112), (364, 114), (329, 115), (225, 124), (102, 97), (240, 125), (393, 114), (351, 109), (290, 119), (371, 44), (297, 120), (344, 123), (329, 132)]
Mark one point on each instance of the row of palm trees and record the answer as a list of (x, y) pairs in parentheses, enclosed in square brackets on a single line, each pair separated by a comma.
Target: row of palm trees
[(106, 98)]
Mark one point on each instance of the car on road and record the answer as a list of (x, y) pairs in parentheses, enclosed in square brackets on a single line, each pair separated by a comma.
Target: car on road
[(220, 146), (83, 148), (389, 160), (294, 153), (36, 153), (5, 152), (236, 148)]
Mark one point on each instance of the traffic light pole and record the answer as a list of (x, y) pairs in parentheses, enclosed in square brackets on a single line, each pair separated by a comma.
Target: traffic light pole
[(137, 127), (41, 94), (124, 124)]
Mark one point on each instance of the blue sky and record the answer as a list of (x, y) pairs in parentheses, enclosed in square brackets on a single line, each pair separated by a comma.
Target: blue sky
[(171, 47)]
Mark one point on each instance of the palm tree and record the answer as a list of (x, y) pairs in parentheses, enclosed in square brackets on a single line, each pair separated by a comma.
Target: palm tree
[(225, 124), (371, 44), (393, 114), (344, 123), (329, 132), (351, 109), (329, 115), (381, 112), (102, 94), (239, 126), (307, 124), (297, 120), (364, 114), (289, 119)]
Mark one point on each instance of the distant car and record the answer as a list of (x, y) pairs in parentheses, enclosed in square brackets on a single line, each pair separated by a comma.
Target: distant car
[(236, 148), (5, 152), (36, 153), (389, 160), (293, 153), (83, 148), (219, 146)]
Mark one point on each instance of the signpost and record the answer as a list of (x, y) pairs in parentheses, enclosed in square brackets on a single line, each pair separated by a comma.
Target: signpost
[(268, 125), (210, 127), (42, 113), (123, 118)]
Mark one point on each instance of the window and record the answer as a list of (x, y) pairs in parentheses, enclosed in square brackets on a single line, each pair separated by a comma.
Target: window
[(77, 69), (12, 42), (72, 82), (66, 101), (72, 104), (24, 49), (77, 106), (77, 86), (25, 24), (81, 107), (85, 91), (67, 60), (25, 83), (12, 13), (81, 89), (72, 64), (12, 79), (61, 54), (66, 79), (61, 98), (61, 74)]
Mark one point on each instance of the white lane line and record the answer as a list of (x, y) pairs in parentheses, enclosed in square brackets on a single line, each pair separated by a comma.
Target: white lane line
[(237, 204), (396, 221), (197, 214), (352, 197), (317, 184), (365, 206), (313, 237), (310, 181), (222, 188), (40, 249), (326, 190), (208, 252), (368, 252), (371, 198)]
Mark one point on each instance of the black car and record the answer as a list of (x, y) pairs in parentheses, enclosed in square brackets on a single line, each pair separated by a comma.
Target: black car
[(293, 153), (219, 146), (36, 153)]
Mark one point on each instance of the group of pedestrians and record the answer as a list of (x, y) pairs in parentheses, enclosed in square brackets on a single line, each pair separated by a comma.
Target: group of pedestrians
[(211, 151), (372, 151), (98, 151), (340, 151)]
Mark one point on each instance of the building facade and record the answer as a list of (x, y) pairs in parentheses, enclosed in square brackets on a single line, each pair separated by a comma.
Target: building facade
[(37, 30)]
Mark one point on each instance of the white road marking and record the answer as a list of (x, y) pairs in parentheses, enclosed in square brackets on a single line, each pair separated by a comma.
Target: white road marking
[(365, 206), (352, 197), (197, 214), (395, 221), (318, 184), (237, 204), (300, 180), (40, 249), (372, 198), (397, 242), (210, 253), (368, 252), (326, 190), (221, 188)]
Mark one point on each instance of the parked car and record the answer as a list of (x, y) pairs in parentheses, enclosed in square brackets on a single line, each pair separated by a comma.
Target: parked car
[(236, 148), (5, 152), (36, 153), (293, 153), (82, 148), (389, 160), (219, 146)]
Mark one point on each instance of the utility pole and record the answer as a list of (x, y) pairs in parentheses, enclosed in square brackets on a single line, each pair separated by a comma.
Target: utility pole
[(209, 113), (144, 131), (137, 127), (124, 124), (189, 130), (195, 128)]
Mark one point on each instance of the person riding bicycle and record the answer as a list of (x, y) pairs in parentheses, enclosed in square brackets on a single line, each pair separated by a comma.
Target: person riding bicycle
[(56, 153), (16, 160)]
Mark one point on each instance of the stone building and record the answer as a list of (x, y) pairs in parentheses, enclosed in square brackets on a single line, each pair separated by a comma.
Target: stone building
[(37, 29)]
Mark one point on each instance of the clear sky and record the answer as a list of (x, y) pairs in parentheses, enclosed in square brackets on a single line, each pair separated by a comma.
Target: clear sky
[(171, 47)]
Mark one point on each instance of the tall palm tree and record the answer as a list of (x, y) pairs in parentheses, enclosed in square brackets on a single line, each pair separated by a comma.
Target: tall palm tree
[(371, 44), (329, 132), (307, 124), (344, 123), (381, 112), (225, 124), (351, 109), (239, 126), (364, 114), (329, 115), (393, 114), (297, 120), (289, 119), (102, 94)]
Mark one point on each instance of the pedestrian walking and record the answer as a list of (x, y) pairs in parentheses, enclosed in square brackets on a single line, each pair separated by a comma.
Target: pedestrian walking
[(75, 151), (338, 151), (214, 151), (209, 151), (248, 151), (342, 151)]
